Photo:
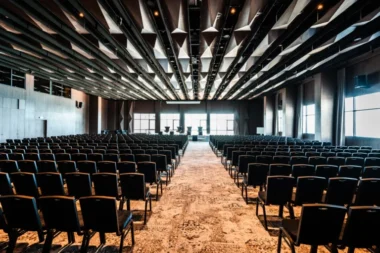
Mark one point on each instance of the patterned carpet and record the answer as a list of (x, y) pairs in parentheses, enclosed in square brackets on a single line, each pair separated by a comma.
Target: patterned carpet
[(201, 210)]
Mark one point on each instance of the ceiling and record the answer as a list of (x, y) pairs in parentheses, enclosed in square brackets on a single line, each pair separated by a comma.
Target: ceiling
[(184, 50)]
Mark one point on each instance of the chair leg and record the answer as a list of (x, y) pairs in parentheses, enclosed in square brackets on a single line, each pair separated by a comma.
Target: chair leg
[(314, 249), (257, 207), (132, 233), (121, 204), (281, 211), (351, 250), (85, 242), (102, 237), (71, 237), (12, 241), (41, 236), (49, 241), (128, 204), (161, 187), (291, 211), (150, 203), (246, 194), (279, 241), (157, 191), (265, 217), (122, 237), (146, 207)]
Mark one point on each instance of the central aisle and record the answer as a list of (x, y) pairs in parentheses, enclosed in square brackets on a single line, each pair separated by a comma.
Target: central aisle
[(202, 211)]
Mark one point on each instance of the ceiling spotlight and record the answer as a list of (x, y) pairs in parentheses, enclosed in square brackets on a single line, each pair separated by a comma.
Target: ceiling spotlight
[(156, 13), (81, 14), (320, 7), (233, 11)]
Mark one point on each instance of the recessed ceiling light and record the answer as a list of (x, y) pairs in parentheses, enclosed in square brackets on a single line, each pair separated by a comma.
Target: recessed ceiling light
[(320, 7), (81, 14), (156, 13), (233, 11)]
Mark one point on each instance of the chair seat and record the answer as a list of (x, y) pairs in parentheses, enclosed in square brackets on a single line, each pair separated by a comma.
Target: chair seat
[(124, 218), (291, 226)]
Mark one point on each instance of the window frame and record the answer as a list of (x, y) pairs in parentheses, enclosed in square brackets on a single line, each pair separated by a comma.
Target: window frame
[(151, 118), (174, 121), (226, 130), (305, 115), (12, 75)]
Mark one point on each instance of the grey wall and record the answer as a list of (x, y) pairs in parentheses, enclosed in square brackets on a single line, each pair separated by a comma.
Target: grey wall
[(22, 112)]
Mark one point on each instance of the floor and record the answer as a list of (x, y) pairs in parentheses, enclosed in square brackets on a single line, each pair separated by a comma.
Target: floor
[(201, 210)]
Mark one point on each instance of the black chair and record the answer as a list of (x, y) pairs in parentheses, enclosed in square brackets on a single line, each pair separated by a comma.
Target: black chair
[(359, 229), (87, 167), (309, 190), (169, 161), (50, 183), (371, 172), (25, 184), (32, 156), (60, 215), (100, 208), (266, 159), (78, 157), (326, 171), (5, 184), (374, 155), (63, 157), (368, 193), (106, 167), (320, 224), (340, 191), (279, 192), (127, 157), (362, 155), (317, 160), (242, 168), (47, 156), (344, 154), (28, 166), (86, 151), (328, 154), (138, 151), (278, 169), (133, 187), (16, 156), (150, 173), (95, 157), (126, 167), (359, 161), (111, 157), (162, 166), (302, 170), (371, 161), (4, 156), (257, 176), (9, 166), (99, 151), (337, 161), (125, 151), (66, 167), (21, 216), (78, 184), (47, 166), (142, 158), (351, 171), (299, 160), (106, 184), (281, 159), (229, 156)]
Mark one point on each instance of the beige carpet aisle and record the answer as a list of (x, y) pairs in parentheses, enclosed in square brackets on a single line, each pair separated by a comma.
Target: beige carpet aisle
[(201, 210)]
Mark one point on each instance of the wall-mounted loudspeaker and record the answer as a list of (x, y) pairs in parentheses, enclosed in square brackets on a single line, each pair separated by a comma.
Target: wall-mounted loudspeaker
[(78, 104)]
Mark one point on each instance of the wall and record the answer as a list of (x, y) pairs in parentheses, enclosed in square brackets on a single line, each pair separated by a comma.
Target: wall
[(22, 112)]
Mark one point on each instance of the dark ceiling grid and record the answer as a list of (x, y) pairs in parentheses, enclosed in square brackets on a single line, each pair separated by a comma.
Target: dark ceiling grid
[(161, 25), (36, 34), (40, 13), (259, 29), (297, 27), (230, 17), (102, 34), (118, 10), (194, 15), (352, 15)]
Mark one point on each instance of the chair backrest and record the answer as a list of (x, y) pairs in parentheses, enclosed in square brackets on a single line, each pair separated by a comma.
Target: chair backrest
[(9, 166), (279, 190), (106, 184), (281, 159), (327, 154), (326, 171), (374, 155), (244, 160), (359, 230), (368, 193), (32, 156), (63, 157), (151, 151), (28, 166), (266, 159), (371, 172), (66, 166), (359, 161), (229, 152), (78, 184), (60, 213), (3, 156), (149, 171), (21, 212), (106, 167), (138, 151), (126, 167), (320, 224), (127, 157), (279, 169), (25, 184), (47, 156), (87, 167), (47, 166), (309, 190), (95, 157), (79, 157), (142, 158), (161, 162), (5, 184), (372, 161), (299, 160), (340, 191), (16, 156), (257, 174), (133, 186), (337, 161), (100, 208), (317, 160), (352, 171), (301, 170), (344, 154), (50, 183)]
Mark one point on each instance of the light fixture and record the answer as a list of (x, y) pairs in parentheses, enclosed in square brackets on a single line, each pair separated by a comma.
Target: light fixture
[(81, 14), (183, 102), (233, 11), (156, 13), (320, 7)]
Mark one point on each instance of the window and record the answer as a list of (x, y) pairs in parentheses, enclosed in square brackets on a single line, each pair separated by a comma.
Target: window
[(12, 77), (362, 115), (144, 123), (194, 121), (222, 124), (169, 119), (60, 90), (308, 119), (50, 87), (281, 121), (41, 85)]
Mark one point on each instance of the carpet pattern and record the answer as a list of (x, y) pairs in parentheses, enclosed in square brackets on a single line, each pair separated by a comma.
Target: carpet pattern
[(201, 210)]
